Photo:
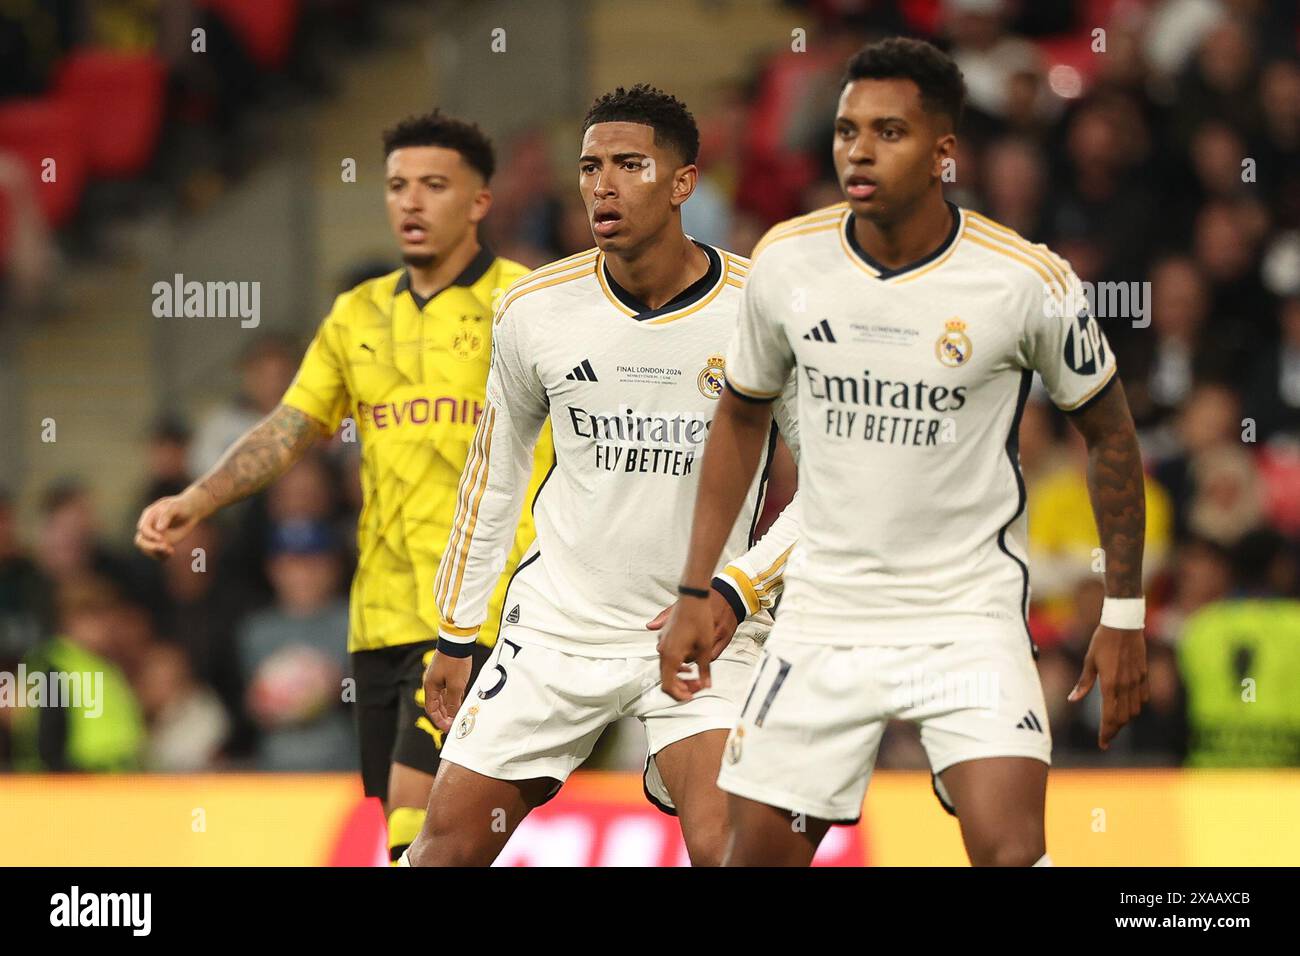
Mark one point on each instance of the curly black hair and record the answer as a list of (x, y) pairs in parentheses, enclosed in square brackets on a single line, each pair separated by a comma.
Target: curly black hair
[(943, 91), (668, 116), (438, 129)]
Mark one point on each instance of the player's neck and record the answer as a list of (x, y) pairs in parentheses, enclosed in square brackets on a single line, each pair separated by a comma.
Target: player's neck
[(910, 238), (428, 280), (658, 273)]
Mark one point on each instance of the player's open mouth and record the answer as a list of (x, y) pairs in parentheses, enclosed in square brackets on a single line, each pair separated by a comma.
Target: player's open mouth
[(860, 187), (413, 231), (605, 222)]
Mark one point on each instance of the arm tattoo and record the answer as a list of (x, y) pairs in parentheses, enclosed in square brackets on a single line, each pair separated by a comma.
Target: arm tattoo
[(261, 456), (1115, 486)]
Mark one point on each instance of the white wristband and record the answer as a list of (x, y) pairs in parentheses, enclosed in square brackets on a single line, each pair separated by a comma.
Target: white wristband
[(1124, 614)]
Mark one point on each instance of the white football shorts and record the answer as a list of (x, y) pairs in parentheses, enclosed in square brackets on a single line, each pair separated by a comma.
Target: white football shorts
[(535, 711), (814, 714)]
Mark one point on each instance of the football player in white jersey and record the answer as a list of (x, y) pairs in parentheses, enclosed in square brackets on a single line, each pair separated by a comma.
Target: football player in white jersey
[(914, 328), (621, 347)]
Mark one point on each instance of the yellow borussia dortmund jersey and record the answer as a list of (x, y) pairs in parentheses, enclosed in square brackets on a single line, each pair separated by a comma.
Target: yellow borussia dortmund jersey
[(413, 374)]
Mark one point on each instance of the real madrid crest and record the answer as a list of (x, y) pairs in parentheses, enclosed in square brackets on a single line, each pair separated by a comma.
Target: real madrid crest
[(735, 743), (954, 346), (469, 338), (712, 377), (467, 722)]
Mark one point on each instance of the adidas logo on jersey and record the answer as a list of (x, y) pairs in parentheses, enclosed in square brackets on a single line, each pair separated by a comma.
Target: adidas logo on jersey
[(821, 332), (513, 616), (1029, 722), (582, 373)]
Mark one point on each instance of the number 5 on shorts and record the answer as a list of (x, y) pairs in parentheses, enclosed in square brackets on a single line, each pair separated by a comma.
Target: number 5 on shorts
[(501, 681)]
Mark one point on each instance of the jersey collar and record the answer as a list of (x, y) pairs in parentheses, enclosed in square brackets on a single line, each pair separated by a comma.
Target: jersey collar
[(881, 271), (697, 290), (475, 270)]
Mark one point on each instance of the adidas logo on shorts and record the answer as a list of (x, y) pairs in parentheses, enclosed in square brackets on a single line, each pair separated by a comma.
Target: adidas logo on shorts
[(513, 616), (1029, 722)]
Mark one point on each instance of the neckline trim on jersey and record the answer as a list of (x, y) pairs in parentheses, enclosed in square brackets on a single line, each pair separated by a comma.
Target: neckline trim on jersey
[(880, 270), (475, 270), (693, 293)]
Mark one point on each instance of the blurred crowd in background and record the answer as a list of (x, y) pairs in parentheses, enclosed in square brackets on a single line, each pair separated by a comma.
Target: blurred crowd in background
[(1169, 156)]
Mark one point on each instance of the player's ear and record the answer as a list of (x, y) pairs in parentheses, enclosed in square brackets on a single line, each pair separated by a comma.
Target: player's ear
[(478, 209), (945, 154), (684, 181)]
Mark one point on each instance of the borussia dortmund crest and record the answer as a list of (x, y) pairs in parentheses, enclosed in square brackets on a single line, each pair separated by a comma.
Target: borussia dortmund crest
[(470, 338)]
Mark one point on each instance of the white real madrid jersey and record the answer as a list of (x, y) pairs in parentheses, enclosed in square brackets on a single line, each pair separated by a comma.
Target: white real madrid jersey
[(630, 393), (911, 384)]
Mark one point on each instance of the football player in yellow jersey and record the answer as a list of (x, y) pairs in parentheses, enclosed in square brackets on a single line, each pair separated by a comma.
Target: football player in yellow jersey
[(407, 354)]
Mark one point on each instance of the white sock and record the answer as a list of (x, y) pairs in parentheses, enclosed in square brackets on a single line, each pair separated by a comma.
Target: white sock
[(1043, 860)]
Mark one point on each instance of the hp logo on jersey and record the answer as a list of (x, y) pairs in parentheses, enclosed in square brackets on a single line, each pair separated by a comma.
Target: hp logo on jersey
[(1085, 347)]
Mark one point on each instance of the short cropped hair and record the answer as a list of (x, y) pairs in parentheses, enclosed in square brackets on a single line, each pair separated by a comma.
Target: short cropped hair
[(438, 129), (672, 122), (943, 90)]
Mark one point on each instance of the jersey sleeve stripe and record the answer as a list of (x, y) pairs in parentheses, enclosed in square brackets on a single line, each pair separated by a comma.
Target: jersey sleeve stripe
[(773, 573), (462, 557), (463, 507), (1092, 395), (741, 581), (558, 266), (975, 237), (825, 214), (807, 231), (772, 586), (467, 477), (750, 396), (789, 227), (441, 577), (735, 273), (576, 271), (1042, 254)]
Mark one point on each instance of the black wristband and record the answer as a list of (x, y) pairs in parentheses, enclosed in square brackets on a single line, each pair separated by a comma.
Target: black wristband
[(685, 591), (737, 603), (453, 649)]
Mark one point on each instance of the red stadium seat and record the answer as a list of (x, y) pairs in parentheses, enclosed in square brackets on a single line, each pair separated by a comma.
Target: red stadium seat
[(120, 97), (266, 27), (37, 130)]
